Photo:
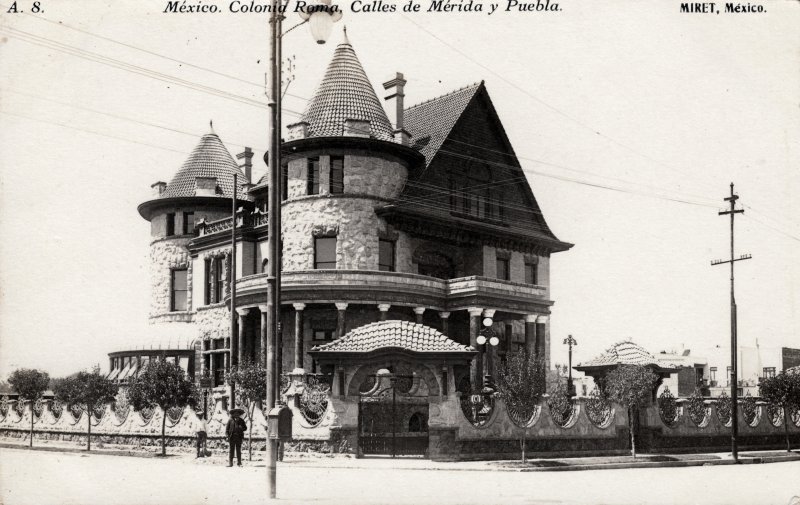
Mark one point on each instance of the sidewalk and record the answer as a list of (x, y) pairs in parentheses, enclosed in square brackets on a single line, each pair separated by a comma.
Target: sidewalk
[(307, 460)]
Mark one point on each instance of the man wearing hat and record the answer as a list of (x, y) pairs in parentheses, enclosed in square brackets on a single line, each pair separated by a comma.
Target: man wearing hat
[(234, 432)]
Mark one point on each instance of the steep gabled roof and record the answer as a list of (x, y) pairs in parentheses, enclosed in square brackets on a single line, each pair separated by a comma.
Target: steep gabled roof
[(429, 123), (394, 334), (209, 158), (345, 93)]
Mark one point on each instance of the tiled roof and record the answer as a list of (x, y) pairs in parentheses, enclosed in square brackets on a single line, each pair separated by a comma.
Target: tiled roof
[(345, 93), (429, 123), (209, 159), (397, 334), (625, 353)]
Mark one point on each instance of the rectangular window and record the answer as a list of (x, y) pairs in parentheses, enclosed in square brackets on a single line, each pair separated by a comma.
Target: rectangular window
[(323, 334), (713, 373), (179, 290), (386, 255), (209, 287), (170, 224), (502, 269), (313, 176), (219, 280), (728, 374), (769, 372), (531, 273), (188, 223), (325, 253), (337, 175)]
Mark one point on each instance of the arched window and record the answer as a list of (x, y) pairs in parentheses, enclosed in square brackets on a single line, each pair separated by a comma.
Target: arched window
[(417, 423)]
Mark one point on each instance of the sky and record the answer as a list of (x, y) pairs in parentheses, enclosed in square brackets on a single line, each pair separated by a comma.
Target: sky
[(630, 119)]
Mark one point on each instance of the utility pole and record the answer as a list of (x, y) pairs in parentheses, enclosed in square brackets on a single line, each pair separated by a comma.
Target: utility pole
[(734, 374), (234, 347)]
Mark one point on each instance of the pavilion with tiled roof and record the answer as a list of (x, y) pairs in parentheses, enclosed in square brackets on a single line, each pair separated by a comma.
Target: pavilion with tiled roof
[(621, 354)]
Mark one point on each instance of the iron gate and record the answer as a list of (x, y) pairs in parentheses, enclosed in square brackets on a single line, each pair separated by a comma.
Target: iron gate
[(392, 419)]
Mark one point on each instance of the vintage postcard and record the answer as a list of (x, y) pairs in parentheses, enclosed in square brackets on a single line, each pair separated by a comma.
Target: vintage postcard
[(399, 251)]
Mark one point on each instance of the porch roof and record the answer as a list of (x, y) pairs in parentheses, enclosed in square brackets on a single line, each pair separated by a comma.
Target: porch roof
[(397, 334)]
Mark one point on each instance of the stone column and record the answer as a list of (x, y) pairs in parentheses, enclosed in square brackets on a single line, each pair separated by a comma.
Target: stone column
[(340, 308), (542, 344), (445, 317), (298, 334), (419, 311), (384, 309), (530, 333), (476, 367), (264, 309), (242, 347)]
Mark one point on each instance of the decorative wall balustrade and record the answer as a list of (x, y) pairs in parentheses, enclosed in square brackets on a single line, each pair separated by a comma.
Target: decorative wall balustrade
[(724, 408), (562, 408), (668, 408), (313, 398), (599, 409), (116, 419)]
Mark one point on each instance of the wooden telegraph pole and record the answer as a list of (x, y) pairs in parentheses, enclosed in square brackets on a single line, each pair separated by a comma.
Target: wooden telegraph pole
[(734, 374)]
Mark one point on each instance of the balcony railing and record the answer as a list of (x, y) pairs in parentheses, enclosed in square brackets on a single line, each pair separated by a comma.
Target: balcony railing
[(374, 284), (243, 219)]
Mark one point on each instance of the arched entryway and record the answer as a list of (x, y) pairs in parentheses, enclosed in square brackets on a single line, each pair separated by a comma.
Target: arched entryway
[(394, 370), (393, 414)]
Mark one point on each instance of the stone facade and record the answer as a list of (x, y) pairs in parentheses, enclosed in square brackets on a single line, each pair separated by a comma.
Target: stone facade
[(165, 255)]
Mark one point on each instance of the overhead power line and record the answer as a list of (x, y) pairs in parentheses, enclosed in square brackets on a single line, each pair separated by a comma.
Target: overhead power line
[(71, 127), (98, 58)]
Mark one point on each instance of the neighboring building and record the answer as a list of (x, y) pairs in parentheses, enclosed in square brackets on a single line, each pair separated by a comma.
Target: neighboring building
[(402, 234), (712, 371), (692, 374)]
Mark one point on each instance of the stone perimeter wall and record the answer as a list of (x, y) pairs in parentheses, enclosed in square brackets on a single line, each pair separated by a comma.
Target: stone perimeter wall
[(452, 436)]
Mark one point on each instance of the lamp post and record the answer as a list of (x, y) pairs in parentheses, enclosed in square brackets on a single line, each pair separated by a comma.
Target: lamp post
[(570, 386), (320, 18), (487, 336)]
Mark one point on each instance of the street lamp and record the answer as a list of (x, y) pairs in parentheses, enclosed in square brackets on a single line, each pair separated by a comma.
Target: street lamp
[(570, 386), (320, 17)]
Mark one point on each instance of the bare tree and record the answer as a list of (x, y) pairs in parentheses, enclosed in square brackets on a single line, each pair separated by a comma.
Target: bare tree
[(521, 382)]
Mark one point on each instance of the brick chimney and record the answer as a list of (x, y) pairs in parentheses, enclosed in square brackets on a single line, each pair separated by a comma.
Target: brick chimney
[(247, 164), (394, 88)]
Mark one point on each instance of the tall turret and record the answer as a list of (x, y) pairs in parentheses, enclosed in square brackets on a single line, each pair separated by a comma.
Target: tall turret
[(200, 190)]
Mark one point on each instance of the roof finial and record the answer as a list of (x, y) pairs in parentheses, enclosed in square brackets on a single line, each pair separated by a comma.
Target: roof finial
[(346, 40), (211, 125)]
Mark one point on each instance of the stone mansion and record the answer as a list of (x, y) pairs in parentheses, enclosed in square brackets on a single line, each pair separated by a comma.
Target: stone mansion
[(402, 233)]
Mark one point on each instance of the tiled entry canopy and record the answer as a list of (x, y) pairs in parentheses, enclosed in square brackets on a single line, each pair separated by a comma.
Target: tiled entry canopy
[(395, 334)]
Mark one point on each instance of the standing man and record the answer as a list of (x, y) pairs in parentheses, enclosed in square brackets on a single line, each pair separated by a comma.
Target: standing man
[(202, 434), (234, 431)]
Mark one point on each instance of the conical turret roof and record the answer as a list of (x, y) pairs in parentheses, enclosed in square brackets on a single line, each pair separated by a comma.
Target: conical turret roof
[(209, 158), (345, 93)]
